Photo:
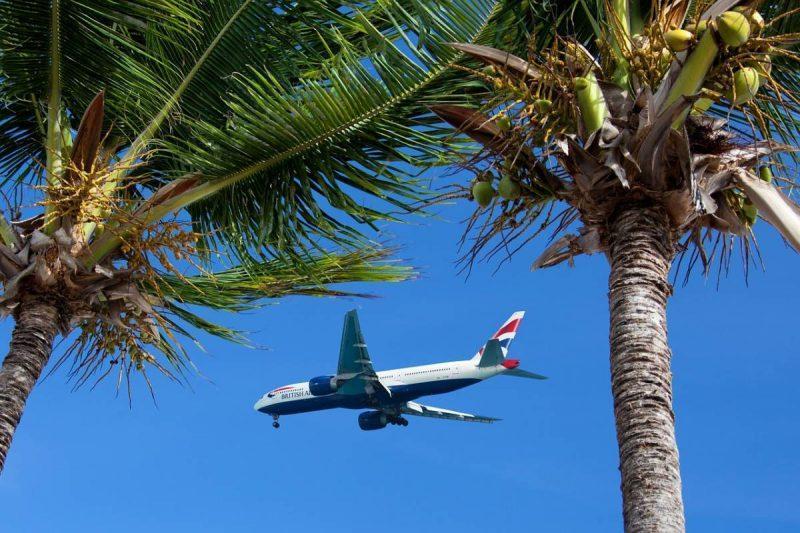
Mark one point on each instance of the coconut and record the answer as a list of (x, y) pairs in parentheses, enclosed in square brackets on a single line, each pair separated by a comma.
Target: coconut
[(508, 188), (733, 28), (749, 212), (483, 193), (503, 122), (765, 173), (745, 85), (698, 28), (763, 65), (753, 16), (543, 105), (678, 40)]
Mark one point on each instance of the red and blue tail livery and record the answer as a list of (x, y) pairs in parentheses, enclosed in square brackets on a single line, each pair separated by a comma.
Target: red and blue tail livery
[(388, 395)]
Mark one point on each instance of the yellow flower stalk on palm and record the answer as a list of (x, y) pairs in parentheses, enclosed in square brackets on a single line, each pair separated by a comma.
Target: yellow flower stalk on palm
[(702, 105), (694, 71), (591, 102)]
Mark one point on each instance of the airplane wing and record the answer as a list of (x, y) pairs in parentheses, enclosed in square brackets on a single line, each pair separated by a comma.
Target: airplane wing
[(355, 367), (416, 409)]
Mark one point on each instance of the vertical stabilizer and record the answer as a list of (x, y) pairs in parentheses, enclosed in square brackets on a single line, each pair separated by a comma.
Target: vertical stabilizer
[(503, 336)]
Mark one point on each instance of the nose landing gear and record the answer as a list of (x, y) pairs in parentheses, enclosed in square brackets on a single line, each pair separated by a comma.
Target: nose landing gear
[(275, 424)]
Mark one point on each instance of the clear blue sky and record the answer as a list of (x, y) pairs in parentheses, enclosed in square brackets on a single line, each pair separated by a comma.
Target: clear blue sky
[(203, 460)]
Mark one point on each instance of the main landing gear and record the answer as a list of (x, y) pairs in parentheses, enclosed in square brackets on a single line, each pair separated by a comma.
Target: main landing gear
[(275, 424), (398, 421)]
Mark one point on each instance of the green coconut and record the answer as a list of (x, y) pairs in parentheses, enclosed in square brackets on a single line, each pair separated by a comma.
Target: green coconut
[(749, 212), (542, 105), (508, 188), (483, 192), (754, 17), (698, 28), (765, 173), (733, 28), (745, 85), (678, 40), (503, 122), (763, 66)]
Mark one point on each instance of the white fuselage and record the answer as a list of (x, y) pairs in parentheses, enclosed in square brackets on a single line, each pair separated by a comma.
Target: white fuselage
[(405, 384)]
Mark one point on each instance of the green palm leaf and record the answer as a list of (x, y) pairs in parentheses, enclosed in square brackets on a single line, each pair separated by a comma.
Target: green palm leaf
[(288, 148), (73, 47), (239, 289)]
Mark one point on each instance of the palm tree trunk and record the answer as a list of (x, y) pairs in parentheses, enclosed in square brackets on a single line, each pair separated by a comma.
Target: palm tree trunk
[(31, 344), (641, 249)]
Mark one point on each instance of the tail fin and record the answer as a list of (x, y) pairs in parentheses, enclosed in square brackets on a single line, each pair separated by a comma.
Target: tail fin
[(503, 336)]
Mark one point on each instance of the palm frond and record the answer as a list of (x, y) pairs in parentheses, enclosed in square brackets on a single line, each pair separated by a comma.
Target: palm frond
[(87, 47), (289, 149), (239, 289)]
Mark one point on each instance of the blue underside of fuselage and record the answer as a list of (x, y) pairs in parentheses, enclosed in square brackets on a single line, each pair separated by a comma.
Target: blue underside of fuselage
[(400, 394)]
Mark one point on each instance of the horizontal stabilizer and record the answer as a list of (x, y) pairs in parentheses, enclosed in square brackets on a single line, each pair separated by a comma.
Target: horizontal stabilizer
[(518, 372)]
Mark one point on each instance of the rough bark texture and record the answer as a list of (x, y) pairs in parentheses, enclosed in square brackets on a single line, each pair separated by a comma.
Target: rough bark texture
[(641, 250), (31, 344)]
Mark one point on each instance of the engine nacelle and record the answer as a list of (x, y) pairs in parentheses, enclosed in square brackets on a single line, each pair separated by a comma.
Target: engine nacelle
[(372, 420), (322, 385)]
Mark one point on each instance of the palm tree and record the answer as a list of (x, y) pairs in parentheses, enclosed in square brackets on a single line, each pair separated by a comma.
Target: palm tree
[(164, 155), (664, 139)]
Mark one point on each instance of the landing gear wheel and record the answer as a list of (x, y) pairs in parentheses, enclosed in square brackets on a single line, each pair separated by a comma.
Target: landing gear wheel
[(403, 422), (276, 425)]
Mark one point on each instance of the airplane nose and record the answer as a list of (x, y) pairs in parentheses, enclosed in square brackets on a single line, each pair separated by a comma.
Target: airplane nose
[(260, 404)]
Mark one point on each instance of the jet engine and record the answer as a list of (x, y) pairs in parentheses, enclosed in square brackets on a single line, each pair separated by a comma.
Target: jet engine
[(372, 420), (322, 385)]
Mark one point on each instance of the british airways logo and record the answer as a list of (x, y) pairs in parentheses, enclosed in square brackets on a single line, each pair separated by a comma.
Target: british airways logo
[(287, 393), (276, 391)]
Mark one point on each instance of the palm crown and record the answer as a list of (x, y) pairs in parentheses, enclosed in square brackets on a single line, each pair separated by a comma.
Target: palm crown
[(668, 136), (693, 120), (232, 113)]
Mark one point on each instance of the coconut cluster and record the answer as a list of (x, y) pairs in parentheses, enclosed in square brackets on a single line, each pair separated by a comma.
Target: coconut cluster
[(508, 185), (742, 59), (572, 130)]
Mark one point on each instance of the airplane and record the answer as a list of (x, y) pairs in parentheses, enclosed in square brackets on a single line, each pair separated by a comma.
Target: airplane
[(390, 394)]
